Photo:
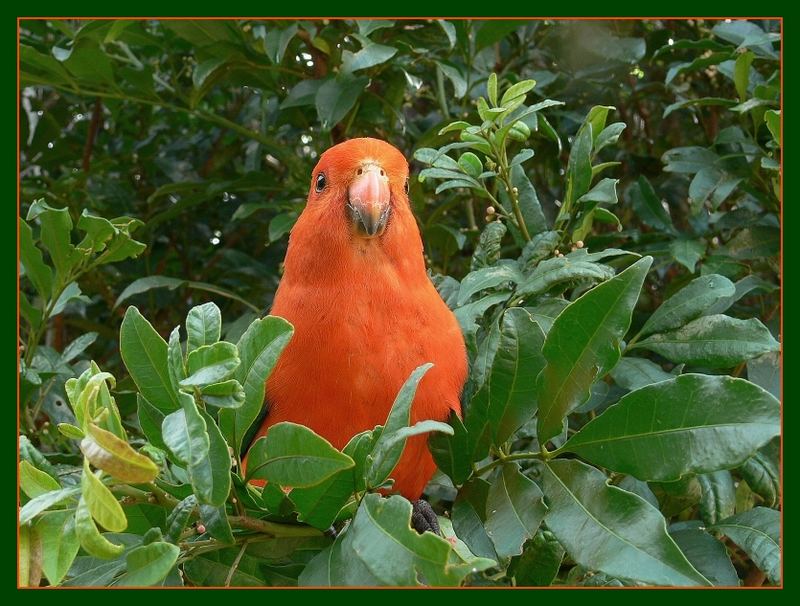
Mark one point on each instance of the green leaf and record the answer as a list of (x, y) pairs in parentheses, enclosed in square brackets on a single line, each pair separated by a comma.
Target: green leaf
[(219, 459), (456, 79), (520, 89), (470, 164), (370, 55), (528, 201), (228, 394), (597, 118), (259, 348), (292, 455), (506, 399), (469, 515), (560, 270), (584, 344), (37, 271), (210, 364), (379, 469), (55, 236), (540, 562), (280, 225), (514, 510), (145, 355), (451, 452), (648, 206), (762, 473), (719, 496), (59, 543), (689, 303), (177, 367), (687, 252), (713, 341), (690, 424), (741, 74), (277, 40), (456, 126), (336, 97), (485, 278), (45, 501), (184, 432), (491, 88), (608, 136), (380, 548), (605, 192), (34, 482), (89, 536), (216, 521), (707, 555), (633, 373), (203, 326), (114, 456), (148, 564), (758, 533), (102, 504), (179, 517), (773, 119), (150, 420), (150, 282), (754, 242), (579, 166), (608, 529)]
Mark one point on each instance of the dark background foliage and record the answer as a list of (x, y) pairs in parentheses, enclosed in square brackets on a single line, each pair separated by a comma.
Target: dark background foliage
[(207, 132)]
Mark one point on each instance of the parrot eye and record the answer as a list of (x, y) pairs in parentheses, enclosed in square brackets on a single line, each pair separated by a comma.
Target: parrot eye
[(320, 184)]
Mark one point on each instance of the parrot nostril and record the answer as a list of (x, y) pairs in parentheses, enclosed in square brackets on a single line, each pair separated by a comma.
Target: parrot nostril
[(360, 171), (383, 174)]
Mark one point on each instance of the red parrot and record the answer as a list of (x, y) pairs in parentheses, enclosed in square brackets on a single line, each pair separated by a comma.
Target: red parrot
[(364, 311)]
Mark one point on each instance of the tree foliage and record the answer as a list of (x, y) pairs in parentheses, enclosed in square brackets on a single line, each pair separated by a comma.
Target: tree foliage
[(600, 207)]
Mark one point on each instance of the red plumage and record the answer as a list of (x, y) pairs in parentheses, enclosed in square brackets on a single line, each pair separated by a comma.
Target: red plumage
[(364, 310)]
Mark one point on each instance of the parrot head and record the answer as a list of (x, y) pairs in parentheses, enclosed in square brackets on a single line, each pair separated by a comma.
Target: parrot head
[(361, 186)]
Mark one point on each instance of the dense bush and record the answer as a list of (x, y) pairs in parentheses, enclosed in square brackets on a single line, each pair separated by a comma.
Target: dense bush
[(600, 207)]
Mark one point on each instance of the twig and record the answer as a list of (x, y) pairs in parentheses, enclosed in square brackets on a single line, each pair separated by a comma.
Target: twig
[(235, 564)]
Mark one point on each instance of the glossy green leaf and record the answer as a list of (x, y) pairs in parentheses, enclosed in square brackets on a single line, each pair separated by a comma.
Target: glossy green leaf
[(486, 278), (758, 533), (561, 270), (514, 510), (185, 434), (56, 227), (451, 452), (210, 364), (707, 555), (336, 97), (34, 482), (292, 455), (540, 562), (148, 564), (719, 496), (60, 543), (203, 326), (380, 548), (648, 206), (507, 396), (713, 341), (37, 271), (259, 348), (605, 528), (378, 470), (687, 252), (584, 344), (227, 394), (688, 303), (145, 355), (762, 473), (216, 522), (469, 515), (690, 424), (45, 501), (633, 373)]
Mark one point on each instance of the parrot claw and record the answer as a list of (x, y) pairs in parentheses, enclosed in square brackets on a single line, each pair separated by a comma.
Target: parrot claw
[(423, 518)]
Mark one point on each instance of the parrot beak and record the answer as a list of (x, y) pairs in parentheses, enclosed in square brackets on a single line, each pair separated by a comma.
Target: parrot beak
[(368, 204)]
